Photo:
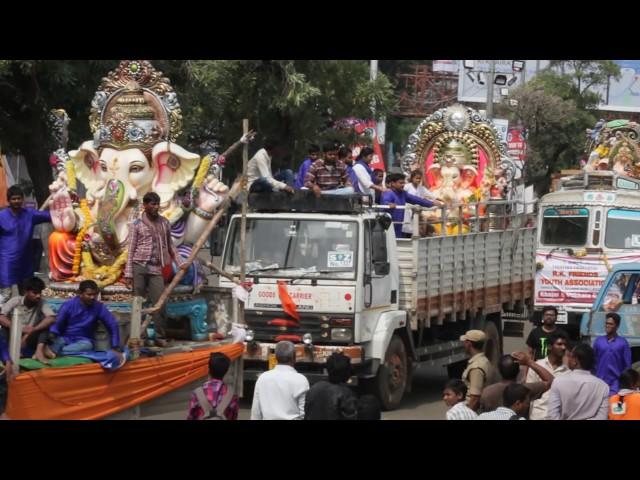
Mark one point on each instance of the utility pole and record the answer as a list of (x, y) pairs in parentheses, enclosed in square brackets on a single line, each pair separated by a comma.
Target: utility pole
[(490, 80), (380, 125)]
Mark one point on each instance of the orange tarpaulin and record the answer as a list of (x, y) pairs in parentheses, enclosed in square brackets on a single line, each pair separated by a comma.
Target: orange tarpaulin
[(87, 392)]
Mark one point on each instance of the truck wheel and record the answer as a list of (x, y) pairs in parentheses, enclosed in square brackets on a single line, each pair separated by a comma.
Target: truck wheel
[(391, 381)]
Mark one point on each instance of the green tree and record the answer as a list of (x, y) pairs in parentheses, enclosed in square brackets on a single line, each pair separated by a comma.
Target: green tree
[(293, 101), (556, 109), (29, 89)]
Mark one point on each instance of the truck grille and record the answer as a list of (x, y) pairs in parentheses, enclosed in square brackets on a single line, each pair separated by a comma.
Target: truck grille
[(317, 325)]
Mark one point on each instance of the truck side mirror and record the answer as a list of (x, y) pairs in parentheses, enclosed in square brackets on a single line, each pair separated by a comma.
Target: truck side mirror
[(385, 221), (381, 268)]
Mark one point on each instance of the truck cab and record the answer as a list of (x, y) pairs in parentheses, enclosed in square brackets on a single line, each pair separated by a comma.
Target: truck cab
[(619, 294), (337, 262)]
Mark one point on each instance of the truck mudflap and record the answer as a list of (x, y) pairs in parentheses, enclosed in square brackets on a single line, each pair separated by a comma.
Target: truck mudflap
[(260, 351)]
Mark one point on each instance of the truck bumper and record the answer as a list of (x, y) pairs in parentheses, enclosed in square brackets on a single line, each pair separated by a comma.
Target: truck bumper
[(316, 354)]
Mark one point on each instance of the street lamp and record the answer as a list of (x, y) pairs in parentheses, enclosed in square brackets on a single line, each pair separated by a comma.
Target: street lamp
[(470, 64), (512, 80), (518, 65), (500, 80)]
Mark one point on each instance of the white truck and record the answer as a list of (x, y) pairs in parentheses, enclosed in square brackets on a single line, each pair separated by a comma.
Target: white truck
[(388, 303), (589, 225)]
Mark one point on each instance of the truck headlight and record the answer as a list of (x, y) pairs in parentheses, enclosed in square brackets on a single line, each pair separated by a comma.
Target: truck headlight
[(341, 334), (307, 339), (250, 336)]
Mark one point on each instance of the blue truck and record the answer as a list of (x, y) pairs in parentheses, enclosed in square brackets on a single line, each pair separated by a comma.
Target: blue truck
[(620, 293)]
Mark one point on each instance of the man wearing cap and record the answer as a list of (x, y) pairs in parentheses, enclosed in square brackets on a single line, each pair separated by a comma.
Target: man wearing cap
[(477, 372)]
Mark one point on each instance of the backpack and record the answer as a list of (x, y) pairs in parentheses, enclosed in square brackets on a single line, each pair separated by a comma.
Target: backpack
[(210, 412)]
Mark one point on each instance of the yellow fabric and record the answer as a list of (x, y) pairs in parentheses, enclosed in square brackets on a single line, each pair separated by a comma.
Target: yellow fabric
[(87, 392)]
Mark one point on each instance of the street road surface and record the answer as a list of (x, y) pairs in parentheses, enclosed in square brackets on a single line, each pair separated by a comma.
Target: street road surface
[(423, 403)]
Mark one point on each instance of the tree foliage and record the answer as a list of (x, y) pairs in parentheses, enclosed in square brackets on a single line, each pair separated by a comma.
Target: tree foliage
[(292, 101), (556, 109)]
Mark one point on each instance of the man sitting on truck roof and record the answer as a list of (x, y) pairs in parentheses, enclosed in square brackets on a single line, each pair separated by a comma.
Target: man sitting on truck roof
[(396, 196), (476, 375), (328, 175), (259, 174)]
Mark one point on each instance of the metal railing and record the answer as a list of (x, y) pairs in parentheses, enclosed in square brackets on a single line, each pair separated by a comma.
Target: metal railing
[(461, 219)]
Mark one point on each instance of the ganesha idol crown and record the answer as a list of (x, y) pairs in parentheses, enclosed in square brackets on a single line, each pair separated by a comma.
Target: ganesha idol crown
[(134, 107)]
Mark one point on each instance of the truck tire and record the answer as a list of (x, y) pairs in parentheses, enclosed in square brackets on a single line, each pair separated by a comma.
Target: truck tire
[(391, 380)]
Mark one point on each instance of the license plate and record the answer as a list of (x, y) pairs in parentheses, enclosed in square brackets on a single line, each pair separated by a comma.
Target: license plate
[(272, 361), (563, 318)]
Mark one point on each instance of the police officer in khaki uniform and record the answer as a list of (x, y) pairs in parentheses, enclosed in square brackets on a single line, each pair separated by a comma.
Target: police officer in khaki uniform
[(478, 369)]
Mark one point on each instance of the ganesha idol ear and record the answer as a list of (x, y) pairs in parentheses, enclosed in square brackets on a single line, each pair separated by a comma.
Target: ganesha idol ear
[(471, 168), (174, 167), (87, 166)]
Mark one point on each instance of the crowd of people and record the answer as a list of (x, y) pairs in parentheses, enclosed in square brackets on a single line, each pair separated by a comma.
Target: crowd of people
[(333, 170), (555, 380), (282, 393)]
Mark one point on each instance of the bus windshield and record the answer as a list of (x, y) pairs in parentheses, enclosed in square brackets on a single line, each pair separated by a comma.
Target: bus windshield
[(623, 229), (565, 226)]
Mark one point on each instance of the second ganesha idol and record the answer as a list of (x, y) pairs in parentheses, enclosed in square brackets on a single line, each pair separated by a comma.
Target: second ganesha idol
[(462, 156), (136, 119)]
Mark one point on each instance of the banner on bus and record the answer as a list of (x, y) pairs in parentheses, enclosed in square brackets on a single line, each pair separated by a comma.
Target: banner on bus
[(564, 279)]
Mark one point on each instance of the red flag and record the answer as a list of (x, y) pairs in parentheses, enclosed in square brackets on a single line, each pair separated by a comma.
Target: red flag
[(370, 128), (288, 305)]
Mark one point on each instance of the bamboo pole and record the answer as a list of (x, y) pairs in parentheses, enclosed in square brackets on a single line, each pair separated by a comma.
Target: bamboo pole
[(222, 273), (238, 310), (245, 200)]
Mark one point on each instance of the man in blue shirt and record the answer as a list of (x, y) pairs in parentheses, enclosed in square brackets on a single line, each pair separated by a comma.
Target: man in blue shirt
[(612, 352), (77, 320), (397, 197), (314, 153), (16, 230)]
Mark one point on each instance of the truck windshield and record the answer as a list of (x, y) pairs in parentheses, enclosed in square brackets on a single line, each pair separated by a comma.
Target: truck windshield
[(565, 226), (623, 229), (623, 290), (293, 248)]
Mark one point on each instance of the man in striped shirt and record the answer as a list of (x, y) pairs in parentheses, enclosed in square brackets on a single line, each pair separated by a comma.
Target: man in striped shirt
[(151, 251), (328, 175), (455, 392)]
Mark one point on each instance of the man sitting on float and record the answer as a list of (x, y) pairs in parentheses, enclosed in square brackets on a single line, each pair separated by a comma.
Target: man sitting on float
[(75, 327)]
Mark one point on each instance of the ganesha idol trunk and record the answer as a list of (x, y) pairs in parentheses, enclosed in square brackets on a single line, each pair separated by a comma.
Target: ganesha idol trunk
[(111, 207)]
